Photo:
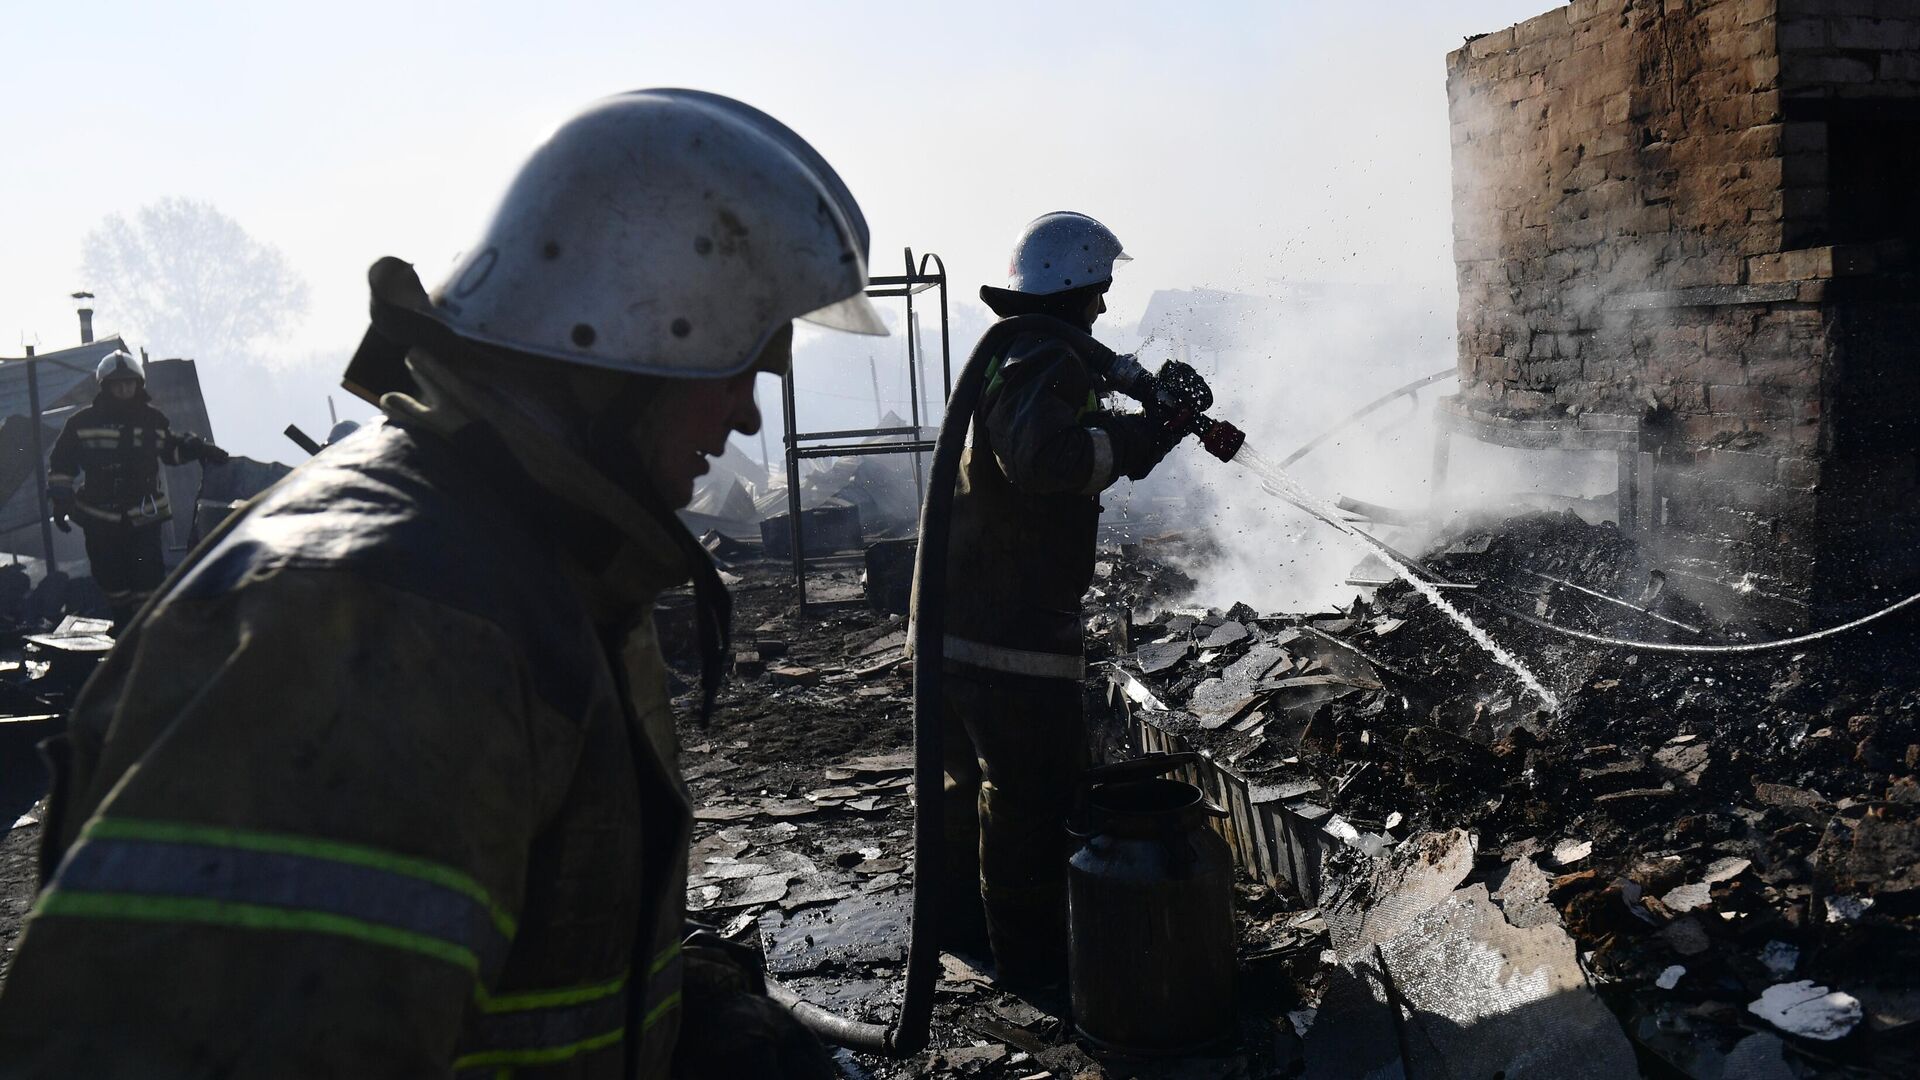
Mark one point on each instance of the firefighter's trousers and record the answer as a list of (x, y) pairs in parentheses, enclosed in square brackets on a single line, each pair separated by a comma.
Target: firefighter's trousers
[(1016, 746), (127, 564)]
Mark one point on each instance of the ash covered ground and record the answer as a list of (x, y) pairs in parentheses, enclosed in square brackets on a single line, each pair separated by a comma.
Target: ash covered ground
[(803, 841), (1713, 839), (1716, 834)]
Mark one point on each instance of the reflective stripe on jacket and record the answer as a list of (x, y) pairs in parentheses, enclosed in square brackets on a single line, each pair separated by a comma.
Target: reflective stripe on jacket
[(377, 787), (1039, 665), (115, 449)]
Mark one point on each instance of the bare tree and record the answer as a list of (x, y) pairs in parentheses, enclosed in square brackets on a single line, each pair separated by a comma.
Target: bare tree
[(188, 279)]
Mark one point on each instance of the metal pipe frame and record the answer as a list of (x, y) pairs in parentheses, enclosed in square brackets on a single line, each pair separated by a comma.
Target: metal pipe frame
[(854, 433), (929, 274), (865, 449)]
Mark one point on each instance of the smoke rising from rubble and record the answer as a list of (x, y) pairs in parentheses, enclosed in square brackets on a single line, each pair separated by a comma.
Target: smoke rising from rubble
[(1290, 360), (1283, 371), (1279, 484), (1286, 367)]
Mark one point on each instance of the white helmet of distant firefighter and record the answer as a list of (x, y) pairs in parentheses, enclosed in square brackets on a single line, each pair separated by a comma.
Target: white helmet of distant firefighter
[(118, 364), (1061, 251)]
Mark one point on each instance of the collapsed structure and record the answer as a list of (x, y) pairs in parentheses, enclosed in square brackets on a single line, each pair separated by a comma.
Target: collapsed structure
[(1683, 243), (44, 390), (1684, 236), (1682, 250)]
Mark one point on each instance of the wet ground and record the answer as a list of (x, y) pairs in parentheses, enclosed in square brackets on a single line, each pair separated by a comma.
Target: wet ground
[(1714, 833), (804, 843), (1708, 835)]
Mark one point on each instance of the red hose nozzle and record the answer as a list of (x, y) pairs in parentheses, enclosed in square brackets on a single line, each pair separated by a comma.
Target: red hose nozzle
[(1222, 439)]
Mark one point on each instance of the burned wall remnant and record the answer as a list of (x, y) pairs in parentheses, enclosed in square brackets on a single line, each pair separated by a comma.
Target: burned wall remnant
[(1684, 235)]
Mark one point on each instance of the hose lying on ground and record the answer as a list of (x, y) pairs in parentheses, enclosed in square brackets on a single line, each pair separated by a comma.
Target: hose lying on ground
[(1671, 647), (1614, 642)]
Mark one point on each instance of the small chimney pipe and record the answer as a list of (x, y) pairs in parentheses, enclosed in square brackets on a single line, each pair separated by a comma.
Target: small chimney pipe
[(80, 300)]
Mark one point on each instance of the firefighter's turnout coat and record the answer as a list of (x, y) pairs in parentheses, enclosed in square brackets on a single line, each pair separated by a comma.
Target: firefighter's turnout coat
[(383, 784), (115, 449), (1026, 507)]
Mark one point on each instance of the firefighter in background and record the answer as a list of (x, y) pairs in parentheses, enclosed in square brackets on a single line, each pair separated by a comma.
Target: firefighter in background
[(1024, 518), (115, 447), (386, 782), (340, 430)]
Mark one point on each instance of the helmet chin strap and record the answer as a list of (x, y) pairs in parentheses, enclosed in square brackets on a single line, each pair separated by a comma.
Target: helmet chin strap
[(611, 450)]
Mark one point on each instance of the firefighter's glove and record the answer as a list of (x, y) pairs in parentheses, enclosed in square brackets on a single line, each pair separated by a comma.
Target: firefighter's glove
[(730, 1028), (60, 521), (213, 455), (1180, 396), (1139, 443), (715, 963)]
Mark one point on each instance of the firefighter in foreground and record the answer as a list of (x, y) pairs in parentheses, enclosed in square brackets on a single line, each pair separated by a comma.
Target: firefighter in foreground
[(1024, 518), (115, 447), (385, 783)]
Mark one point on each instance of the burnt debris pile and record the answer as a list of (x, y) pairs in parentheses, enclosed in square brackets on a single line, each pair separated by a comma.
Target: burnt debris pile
[(1730, 842)]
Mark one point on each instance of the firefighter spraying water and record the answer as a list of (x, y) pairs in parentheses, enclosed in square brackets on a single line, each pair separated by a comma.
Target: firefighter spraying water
[(1182, 397)]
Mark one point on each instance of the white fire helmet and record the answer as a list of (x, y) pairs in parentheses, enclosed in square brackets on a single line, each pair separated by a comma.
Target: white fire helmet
[(1060, 251), (664, 232), (118, 364)]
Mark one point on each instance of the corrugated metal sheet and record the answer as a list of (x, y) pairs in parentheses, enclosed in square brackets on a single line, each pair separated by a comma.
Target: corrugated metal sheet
[(66, 383), (66, 377), (174, 386), (16, 468)]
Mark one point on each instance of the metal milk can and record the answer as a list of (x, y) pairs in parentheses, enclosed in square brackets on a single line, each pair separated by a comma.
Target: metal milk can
[(1150, 910)]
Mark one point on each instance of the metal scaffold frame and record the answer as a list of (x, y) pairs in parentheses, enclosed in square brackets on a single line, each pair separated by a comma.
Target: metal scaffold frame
[(929, 273)]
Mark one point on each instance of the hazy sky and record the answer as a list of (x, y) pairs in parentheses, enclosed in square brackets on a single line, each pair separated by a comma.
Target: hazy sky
[(1229, 144)]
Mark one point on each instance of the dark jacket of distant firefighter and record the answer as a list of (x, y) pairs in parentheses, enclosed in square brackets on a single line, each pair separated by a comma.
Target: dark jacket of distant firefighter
[(384, 785), (115, 449), (1027, 506)]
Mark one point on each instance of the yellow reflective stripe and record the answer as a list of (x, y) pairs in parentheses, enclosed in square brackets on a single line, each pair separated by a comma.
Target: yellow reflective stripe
[(178, 832), (993, 377), (667, 1004), (536, 1026), (59, 478), (547, 999), (249, 916), (664, 958), (546, 1055)]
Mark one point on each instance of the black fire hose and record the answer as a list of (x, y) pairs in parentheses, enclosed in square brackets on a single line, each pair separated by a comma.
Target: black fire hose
[(908, 1035)]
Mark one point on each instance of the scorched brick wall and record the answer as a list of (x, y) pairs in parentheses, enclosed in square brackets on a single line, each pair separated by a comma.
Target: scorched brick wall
[(1692, 219)]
